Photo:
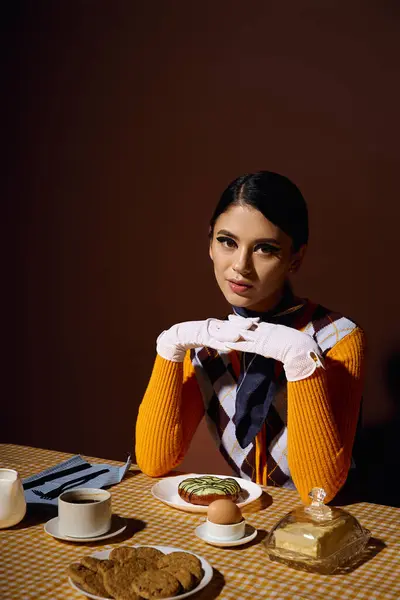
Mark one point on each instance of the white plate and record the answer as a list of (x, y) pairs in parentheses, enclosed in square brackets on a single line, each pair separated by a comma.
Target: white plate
[(166, 490), (207, 568), (118, 525), (249, 534)]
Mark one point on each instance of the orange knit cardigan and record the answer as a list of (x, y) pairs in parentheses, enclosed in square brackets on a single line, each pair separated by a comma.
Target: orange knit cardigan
[(322, 417)]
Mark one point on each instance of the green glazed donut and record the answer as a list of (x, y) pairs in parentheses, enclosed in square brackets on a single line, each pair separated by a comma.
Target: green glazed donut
[(207, 488)]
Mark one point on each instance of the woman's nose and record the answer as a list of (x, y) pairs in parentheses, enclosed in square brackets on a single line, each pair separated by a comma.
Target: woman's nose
[(242, 263)]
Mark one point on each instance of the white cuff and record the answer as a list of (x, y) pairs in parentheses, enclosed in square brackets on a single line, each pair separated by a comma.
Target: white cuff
[(168, 350), (303, 365)]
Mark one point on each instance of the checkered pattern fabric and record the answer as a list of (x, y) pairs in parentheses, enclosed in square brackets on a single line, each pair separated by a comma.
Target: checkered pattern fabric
[(218, 383), (33, 564)]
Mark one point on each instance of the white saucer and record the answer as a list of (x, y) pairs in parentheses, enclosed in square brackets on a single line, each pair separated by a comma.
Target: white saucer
[(249, 534), (118, 524)]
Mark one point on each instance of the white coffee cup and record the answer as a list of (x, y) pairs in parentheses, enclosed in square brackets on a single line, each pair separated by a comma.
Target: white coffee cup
[(84, 512), (226, 533)]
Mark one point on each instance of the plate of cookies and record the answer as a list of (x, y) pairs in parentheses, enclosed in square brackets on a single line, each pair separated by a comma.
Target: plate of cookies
[(193, 493), (137, 572)]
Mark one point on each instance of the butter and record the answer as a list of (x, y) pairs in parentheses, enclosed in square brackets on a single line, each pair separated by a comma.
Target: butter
[(311, 539)]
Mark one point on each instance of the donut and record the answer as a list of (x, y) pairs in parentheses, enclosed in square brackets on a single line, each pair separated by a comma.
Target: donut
[(207, 488)]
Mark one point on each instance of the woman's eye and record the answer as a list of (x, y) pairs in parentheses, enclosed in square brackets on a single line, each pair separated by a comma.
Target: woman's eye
[(266, 249), (226, 241)]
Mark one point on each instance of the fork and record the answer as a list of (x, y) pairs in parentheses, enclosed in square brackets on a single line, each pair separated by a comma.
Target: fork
[(67, 485)]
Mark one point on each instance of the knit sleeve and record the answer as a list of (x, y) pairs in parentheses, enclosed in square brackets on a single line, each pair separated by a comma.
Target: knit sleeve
[(322, 418), (169, 414)]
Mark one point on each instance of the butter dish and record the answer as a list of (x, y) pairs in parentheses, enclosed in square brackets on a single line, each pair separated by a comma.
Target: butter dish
[(316, 537)]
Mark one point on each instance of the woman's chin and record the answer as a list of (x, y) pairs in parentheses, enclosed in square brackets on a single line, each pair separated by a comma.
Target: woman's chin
[(236, 300)]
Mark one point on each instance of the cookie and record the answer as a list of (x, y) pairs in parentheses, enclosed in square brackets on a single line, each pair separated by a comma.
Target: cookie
[(196, 571), (182, 557), (122, 553), (104, 565), (93, 583), (182, 560), (90, 563), (178, 555), (156, 584), (128, 594), (77, 572), (149, 553), (118, 580), (134, 566), (187, 580)]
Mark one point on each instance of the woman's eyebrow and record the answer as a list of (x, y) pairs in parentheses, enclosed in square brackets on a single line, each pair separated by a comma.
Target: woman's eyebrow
[(268, 241), (226, 232), (259, 241)]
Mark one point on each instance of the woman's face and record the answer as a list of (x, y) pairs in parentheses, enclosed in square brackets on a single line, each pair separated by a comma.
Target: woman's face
[(252, 258)]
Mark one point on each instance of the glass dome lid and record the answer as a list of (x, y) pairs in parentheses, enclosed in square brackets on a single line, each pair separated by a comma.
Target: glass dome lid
[(316, 537)]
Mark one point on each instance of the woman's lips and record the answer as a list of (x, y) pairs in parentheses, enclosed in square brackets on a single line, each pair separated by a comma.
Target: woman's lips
[(239, 288)]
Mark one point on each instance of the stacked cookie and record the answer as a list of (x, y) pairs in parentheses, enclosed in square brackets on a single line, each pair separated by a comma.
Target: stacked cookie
[(135, 573)]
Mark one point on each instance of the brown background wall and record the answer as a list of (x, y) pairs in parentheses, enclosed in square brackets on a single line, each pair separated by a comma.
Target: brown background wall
[(126, 121)]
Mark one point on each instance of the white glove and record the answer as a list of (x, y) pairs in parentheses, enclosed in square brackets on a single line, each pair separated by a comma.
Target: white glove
[(213, 333), (298, 351)]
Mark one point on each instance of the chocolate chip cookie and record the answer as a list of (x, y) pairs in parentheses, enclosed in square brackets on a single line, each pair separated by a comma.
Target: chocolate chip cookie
[(156, 584)]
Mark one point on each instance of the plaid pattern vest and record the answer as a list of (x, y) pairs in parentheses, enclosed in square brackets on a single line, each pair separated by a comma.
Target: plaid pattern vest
[(217, 381)]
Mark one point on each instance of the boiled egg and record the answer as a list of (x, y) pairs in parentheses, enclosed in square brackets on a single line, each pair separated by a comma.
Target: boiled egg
[(224, 512)]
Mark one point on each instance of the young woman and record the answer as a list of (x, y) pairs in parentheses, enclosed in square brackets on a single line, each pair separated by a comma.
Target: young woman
[(280, 380)]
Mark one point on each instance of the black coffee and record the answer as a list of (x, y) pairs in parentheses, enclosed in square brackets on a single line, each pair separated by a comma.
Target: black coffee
[(83, 501)]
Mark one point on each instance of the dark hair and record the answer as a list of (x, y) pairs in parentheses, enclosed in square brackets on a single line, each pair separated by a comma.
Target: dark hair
[(275, 196)]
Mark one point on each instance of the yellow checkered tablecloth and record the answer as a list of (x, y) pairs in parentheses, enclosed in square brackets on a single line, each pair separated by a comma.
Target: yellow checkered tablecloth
[(33, 564)]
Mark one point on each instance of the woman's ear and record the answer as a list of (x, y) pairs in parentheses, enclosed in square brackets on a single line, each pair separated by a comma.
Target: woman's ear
[(210, 239), (210, 252), (297, 259)]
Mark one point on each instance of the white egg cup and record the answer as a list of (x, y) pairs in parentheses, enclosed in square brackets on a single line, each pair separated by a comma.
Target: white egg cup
[(225, 533)]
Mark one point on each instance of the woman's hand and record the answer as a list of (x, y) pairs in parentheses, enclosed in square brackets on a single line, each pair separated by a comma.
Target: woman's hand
[(298, 351), (213, 333)]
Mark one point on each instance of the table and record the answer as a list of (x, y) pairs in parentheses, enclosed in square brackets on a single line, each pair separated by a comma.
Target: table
[(33, 564)]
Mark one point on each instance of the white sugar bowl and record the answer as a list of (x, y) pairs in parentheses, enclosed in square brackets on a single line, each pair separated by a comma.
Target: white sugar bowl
[(12, 498)]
